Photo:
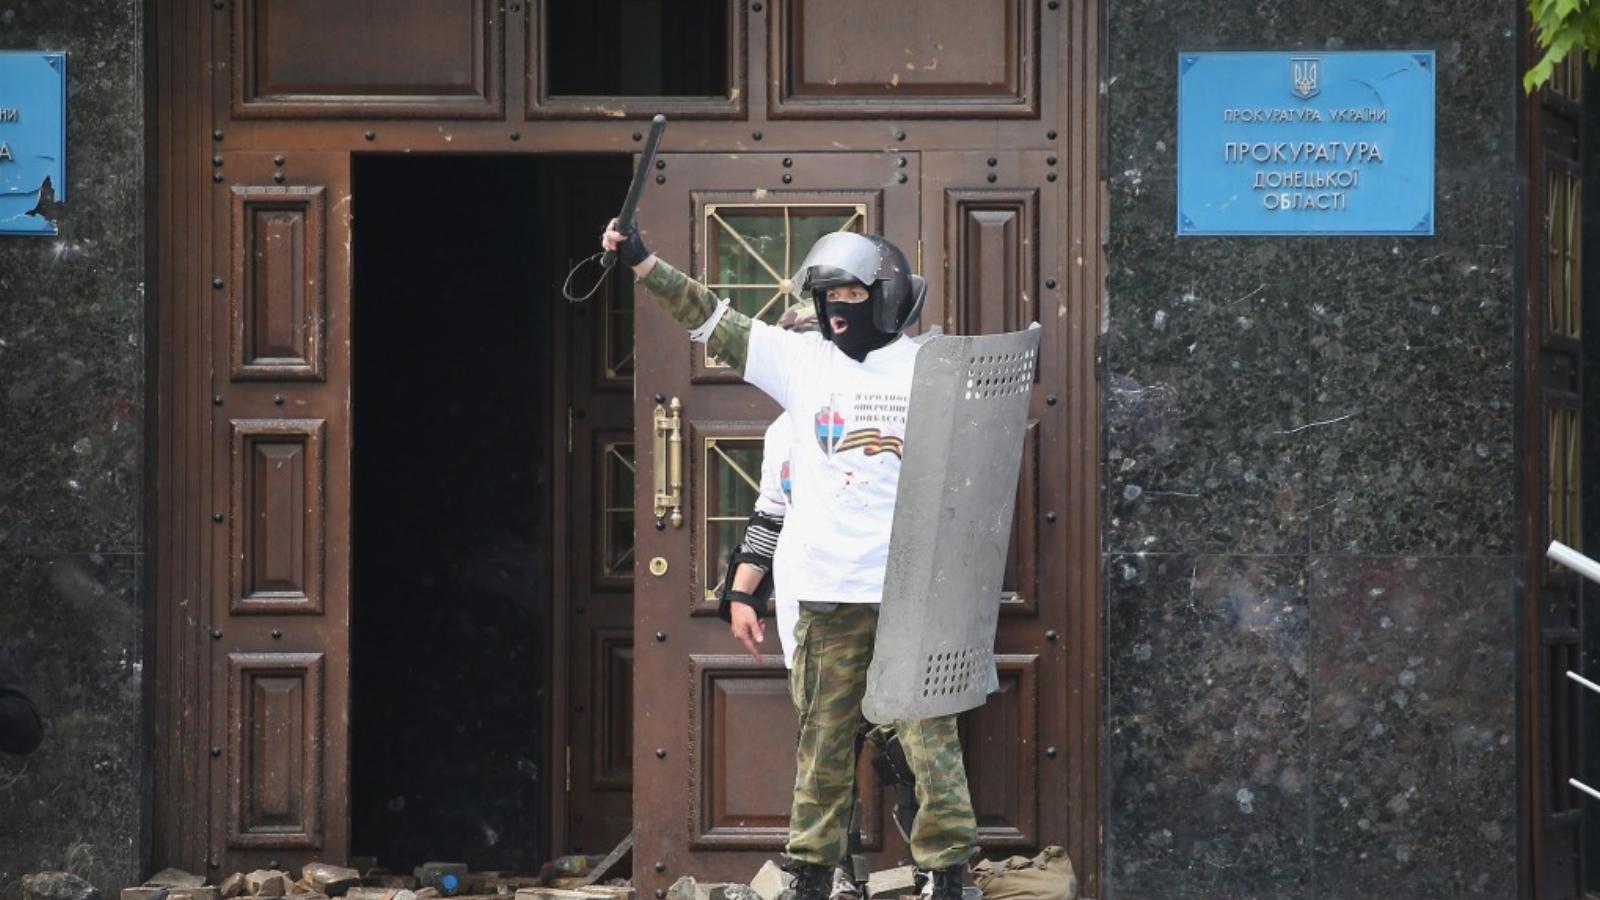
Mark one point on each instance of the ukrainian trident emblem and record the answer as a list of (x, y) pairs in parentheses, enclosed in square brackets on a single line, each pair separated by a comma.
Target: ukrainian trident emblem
[(1306, 77)]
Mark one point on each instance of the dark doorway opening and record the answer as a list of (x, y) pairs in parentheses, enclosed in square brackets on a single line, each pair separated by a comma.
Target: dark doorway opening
[(452, 593)]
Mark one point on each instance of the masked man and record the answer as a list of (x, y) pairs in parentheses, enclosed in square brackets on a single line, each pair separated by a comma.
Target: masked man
[(845, 391)]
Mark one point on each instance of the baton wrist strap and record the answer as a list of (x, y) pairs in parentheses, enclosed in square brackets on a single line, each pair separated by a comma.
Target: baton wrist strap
[(703, 333)]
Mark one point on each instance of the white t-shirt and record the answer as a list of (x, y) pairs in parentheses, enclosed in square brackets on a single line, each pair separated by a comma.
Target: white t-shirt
[(847, 422), (776, 482)]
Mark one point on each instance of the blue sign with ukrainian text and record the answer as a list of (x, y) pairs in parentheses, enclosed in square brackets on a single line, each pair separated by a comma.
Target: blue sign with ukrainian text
[(1333, 143), (33, 139)]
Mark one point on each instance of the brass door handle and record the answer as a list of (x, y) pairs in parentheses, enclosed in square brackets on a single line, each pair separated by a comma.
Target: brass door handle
[(667, 463)]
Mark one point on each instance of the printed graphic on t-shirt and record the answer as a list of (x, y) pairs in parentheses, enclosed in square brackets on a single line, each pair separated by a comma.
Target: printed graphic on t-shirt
[(872, 442), (787, 480), (881, 417), (830, 428)]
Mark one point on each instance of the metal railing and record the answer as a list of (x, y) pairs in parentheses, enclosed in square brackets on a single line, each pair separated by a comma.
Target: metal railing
[(1589, 569)]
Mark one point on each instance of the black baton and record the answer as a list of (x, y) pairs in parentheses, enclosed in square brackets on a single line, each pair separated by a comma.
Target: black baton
[(630, 206)]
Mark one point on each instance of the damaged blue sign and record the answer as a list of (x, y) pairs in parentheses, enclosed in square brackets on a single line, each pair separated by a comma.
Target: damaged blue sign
[(33, 140)]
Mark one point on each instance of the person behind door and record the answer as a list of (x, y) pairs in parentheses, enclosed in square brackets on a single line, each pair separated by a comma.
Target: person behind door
[(750, 566), (845, 392)]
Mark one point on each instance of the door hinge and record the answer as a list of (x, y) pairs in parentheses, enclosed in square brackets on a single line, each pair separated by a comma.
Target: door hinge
[(569, 768), (569, 430), (919, 259)]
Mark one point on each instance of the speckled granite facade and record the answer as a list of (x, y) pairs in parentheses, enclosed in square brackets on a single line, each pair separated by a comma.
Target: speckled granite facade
[(72, 460), (1310, 497)]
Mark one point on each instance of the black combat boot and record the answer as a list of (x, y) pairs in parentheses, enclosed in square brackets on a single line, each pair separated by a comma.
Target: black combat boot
[(812, 881), (948, 882)]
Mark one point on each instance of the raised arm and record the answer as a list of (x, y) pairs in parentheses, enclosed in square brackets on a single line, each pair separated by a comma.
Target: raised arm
[(686, 300)]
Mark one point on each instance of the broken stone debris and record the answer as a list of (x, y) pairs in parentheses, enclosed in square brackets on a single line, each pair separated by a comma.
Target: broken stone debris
[(686, 888), (267, 883), (174, 884), (568, 878), (57, 886), (771, 881), (892, 882), (502, 883), (330, 880), (843, 887), (550, 893), (175, 878)]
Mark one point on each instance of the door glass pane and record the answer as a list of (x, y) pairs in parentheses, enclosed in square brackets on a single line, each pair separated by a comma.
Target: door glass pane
[(1563, 515), (618, 328), (732, 470), (616, 519), (752, 249)]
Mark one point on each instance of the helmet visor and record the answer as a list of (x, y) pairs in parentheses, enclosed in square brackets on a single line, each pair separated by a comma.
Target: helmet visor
[(844, 250)]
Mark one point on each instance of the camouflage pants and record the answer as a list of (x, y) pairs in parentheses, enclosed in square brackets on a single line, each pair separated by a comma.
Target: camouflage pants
[(832, 653)]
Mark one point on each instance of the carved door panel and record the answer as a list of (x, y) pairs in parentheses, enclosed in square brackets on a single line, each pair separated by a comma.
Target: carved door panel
[(714, 731), (281, 519), (991, 239), (595, 360)]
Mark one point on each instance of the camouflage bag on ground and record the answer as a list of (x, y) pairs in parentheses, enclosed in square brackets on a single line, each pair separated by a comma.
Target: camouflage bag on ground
[(1048, 876)]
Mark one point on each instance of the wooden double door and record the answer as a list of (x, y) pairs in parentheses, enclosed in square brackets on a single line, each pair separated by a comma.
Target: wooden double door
[(714, 730), (660, 722)]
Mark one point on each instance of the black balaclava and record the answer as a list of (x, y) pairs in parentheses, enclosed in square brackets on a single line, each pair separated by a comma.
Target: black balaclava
[(862, 336)]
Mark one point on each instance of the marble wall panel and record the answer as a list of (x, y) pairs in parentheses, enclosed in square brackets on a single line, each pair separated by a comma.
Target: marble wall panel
[(1206, 383), (72, 626), (1413, 716), (72, 464), (1208, 773)]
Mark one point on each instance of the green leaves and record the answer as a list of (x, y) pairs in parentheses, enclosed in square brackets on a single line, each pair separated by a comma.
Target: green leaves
[(1562, 26)]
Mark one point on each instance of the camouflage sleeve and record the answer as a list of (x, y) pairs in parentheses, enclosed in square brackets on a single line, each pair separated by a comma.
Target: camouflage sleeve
[(691, 304)]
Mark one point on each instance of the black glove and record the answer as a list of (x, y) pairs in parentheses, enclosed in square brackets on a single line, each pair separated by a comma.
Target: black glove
[(633, 251)]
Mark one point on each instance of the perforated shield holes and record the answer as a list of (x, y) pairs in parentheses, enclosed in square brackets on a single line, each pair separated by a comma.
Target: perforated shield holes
[(965, 425)]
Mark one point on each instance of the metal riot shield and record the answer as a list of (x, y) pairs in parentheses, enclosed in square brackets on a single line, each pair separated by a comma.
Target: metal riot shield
[(952, 523)]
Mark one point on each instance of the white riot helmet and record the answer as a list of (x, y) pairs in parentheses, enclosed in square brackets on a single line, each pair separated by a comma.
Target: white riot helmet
[(844, 257)]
